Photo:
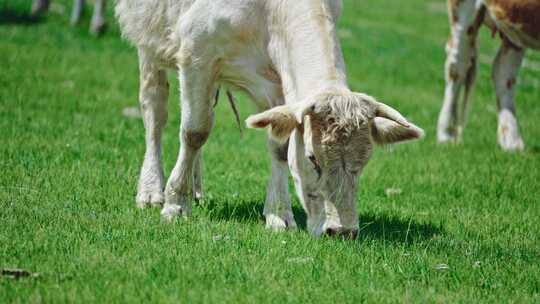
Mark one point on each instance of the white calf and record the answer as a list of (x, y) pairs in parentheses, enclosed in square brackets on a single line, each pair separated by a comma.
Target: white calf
[(286, 56)]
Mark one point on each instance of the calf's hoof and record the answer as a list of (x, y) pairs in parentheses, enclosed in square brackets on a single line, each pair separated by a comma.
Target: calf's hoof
[(176, 206), (280, 223), (150, 199), (170, 213)]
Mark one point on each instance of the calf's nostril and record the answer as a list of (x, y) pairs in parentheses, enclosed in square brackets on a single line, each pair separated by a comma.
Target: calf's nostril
[(349, 234), (331, 231)]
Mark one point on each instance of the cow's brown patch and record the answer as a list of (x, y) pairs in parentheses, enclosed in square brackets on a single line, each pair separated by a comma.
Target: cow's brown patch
[(453, 10), (519, 14), (453, 73), (471, 73)]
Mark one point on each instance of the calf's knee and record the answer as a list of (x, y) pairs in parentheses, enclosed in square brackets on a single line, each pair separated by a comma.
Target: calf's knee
[(195, 139)]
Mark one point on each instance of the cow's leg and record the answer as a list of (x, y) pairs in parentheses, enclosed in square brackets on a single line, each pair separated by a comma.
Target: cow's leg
[(505, 71), (154, 90), (76, 12), (460, 69), (39, 6), (98, 24), (277, 209), (197, 89)]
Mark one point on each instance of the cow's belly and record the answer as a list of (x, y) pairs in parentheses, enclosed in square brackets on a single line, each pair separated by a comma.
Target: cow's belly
[(519, 20)]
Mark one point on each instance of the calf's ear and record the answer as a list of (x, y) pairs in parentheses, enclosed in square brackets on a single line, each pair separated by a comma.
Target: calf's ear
[(281, 121), (386, 131)]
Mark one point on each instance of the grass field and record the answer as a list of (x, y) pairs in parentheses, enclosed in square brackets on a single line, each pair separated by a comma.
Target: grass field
[(69, 165)]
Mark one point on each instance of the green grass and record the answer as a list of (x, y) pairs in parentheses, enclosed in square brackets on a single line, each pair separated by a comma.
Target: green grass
[(69, 164)]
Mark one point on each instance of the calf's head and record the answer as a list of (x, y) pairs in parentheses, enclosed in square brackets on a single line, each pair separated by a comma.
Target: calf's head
[(330, 141)]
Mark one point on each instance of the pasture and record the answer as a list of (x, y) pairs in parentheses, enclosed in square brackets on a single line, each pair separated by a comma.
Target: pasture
[(464, 226)]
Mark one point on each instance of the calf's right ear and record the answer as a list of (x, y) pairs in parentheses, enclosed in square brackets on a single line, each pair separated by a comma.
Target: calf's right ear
[(281, 121)]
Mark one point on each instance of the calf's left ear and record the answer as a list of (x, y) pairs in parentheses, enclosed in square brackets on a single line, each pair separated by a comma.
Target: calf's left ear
[(280, 120), (386, 131)]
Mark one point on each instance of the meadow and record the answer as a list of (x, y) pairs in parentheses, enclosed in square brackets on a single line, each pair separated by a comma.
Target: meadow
[(465, 227)]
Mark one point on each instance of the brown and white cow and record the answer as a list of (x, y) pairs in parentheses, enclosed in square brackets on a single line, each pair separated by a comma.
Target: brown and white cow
[(286, 56), (518, 24)]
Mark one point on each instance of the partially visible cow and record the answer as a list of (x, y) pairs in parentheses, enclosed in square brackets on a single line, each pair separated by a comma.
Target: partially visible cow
[(98, 23), (286, 56), (518, 23)]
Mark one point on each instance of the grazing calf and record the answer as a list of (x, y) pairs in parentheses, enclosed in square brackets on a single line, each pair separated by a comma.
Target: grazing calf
[(286, 57), (97, 25), (518, 22)]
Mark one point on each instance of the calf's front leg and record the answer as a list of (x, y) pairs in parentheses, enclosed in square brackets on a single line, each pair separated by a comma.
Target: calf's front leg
[(197, 87), (277, 209), (154, 91)]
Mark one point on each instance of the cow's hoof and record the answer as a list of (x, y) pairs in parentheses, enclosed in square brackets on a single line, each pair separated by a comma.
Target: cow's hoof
[(170, 213), (277, 223), (511, 143), (508, 133), (150, 199)]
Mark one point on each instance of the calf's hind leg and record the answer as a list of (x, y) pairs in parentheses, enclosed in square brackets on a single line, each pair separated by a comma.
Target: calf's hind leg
[(154, 91), (505, 71), (197, 89)]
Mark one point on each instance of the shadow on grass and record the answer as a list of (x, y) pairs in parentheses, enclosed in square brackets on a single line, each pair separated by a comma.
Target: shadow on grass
[(381, 227), (393, 229), (11, 16)]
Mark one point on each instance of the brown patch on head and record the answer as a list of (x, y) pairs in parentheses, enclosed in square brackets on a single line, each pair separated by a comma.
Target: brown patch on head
[(517, 14)]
